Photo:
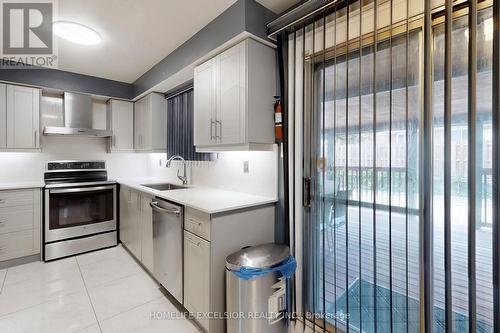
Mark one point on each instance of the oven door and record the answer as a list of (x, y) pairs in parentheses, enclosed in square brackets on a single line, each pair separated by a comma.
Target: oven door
[(79, 211)]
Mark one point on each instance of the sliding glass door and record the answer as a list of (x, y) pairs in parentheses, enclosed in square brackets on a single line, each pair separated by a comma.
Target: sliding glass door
[(356, 132), (364, 212), (458, 128)]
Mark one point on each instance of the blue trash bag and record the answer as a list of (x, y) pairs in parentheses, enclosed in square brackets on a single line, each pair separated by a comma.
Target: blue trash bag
[(286, 268)]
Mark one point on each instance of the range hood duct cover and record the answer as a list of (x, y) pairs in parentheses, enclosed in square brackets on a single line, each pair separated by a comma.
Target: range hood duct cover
[(77, 118)]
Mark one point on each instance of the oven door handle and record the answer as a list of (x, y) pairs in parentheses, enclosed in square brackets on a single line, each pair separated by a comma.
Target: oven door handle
[(82, 189)]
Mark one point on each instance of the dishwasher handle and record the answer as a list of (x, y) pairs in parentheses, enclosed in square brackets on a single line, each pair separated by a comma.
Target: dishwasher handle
[(154, 205)]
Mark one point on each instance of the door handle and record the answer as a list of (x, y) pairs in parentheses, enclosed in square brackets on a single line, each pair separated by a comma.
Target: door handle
[(154, 205), (307, 192), (82, 189)]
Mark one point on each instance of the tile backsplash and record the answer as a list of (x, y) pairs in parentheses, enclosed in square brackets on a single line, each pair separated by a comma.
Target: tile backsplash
[(226, 172)]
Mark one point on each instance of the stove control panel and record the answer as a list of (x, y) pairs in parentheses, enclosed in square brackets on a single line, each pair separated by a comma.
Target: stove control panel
[(76, 165)]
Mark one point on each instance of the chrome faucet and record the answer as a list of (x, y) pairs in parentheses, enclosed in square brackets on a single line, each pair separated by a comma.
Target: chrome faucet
[(183, 178)]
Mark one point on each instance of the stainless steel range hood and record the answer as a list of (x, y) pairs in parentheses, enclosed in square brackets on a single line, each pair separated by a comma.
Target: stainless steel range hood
[(77, 118)]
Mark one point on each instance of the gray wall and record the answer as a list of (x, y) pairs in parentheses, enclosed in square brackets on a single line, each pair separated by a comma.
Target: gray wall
[(56, 79), (243, 15)]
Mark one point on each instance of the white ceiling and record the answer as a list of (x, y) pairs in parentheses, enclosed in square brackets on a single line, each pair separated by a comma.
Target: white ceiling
[(278, 6), (136, 34)]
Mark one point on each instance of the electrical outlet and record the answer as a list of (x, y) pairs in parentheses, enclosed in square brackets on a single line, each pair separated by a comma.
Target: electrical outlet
[(245, 167)]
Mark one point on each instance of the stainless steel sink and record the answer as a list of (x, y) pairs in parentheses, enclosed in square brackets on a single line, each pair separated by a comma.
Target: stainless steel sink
[(164, 186)]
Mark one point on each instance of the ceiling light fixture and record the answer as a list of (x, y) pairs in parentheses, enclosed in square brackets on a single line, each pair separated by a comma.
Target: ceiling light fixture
[(76, 33)]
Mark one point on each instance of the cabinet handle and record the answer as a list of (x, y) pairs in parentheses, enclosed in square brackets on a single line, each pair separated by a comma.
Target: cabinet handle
[(211, 129), (220, 131), (36, 132), (197, 244), (193, 221), (113, 140)]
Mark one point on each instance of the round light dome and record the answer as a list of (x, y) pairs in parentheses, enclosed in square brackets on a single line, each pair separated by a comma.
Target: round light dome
[(76, 33)]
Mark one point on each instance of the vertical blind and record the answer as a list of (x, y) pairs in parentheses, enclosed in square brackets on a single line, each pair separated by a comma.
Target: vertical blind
[(180, 124), (392, 153)]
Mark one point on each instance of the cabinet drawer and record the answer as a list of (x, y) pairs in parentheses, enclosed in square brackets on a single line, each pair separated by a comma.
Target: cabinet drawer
[(18, 198), (14, 219), (17, 244), (197, 222)]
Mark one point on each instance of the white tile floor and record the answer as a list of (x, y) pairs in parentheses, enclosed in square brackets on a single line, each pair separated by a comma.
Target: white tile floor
[(103, 291)]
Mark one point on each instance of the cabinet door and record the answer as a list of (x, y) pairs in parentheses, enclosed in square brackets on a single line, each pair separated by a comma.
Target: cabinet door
[(23, 123), (121, 122), (125, 216), (17, 244), (130, 224), (146, 124), (3, 115), (142, 126), (138, 110), (205, 103), (196, 275), (147, 232), (136, 228), (231, 95)]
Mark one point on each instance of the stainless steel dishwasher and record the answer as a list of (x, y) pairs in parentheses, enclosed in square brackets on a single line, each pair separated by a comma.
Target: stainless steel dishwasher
[(168, 220)]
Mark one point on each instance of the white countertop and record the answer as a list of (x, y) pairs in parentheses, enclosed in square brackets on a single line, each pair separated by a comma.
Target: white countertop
[(209, 200), (21, 185)]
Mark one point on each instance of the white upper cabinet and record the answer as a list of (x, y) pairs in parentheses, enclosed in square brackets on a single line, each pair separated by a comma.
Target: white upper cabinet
[(205, 103), (231, 85), (120, 118), (233, 99), (23, 118), (150, 126)]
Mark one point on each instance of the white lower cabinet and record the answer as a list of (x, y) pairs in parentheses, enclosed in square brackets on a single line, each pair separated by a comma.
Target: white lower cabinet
[(147, 232), (130, 231), (208, 240), (196, 275), (20, 223), (136, 225)]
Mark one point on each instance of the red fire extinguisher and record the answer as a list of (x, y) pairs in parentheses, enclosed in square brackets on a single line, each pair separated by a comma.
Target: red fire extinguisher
[(278, 119)]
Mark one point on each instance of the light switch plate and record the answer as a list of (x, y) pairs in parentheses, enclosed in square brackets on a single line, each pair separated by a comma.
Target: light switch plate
[(246, 168)]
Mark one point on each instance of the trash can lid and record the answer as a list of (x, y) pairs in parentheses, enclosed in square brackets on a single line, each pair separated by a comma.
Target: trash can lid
[(260, 256)]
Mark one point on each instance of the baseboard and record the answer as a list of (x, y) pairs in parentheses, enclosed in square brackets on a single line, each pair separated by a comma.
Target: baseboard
[(20, 261)]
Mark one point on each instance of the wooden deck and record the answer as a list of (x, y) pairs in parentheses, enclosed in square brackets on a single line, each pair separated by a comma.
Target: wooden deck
[(405, 265)]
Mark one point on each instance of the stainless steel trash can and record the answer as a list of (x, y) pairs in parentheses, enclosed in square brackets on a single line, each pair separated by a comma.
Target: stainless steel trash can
[(249, 297)]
